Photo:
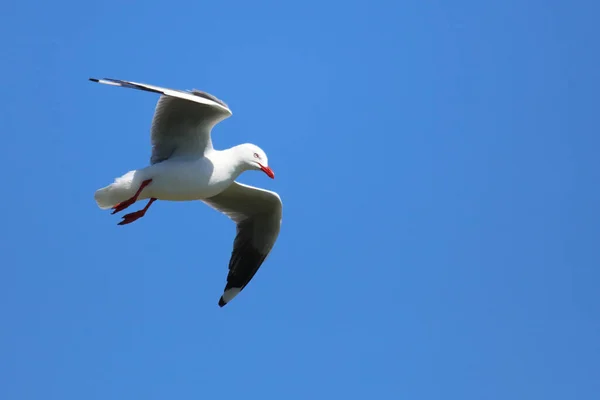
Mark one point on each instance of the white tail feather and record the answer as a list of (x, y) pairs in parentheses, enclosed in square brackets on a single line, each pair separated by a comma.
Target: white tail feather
[(122, 189)]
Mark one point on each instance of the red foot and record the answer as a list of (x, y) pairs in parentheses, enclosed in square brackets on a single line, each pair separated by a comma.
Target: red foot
[(124, 204), (134, 216)]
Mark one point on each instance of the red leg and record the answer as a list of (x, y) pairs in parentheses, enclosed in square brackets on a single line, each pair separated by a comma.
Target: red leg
[(124, 204), (129, 218)]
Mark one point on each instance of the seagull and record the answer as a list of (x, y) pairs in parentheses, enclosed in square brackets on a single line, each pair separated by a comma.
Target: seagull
[(184, 166)]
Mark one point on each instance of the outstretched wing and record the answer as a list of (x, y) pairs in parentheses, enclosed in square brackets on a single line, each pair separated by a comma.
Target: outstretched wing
[(182, 121), (257, 213)]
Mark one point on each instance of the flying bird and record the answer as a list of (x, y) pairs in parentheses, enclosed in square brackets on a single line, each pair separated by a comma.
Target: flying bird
[(184, 166)]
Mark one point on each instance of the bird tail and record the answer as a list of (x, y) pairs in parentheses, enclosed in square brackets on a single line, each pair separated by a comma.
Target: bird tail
[(120, 190)]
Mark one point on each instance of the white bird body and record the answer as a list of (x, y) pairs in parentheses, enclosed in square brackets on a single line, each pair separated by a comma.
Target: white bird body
[(177, 179), (185, 167)]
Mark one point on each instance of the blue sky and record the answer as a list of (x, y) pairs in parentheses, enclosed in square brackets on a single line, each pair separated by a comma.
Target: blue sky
[(438, 165)]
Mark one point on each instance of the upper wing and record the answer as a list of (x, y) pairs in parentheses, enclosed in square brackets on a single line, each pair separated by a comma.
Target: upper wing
[(257, 213), (182, 120)]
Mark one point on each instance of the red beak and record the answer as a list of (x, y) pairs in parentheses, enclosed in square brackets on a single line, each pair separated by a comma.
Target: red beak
[(267, 171)]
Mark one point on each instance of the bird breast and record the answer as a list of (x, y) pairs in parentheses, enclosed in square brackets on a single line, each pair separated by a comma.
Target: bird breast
[(184, 180)]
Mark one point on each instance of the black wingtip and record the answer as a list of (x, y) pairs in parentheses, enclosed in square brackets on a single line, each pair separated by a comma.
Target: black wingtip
[(94, 80), (221, 302)]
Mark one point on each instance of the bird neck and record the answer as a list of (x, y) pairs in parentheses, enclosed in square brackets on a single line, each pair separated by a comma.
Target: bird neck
[(234, 161)]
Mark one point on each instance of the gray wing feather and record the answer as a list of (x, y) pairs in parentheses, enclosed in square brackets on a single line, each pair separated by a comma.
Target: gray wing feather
[(258, 214), (181, 127), (182, 121)]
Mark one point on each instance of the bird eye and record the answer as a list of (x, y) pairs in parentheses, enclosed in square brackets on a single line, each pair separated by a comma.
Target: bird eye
[(256, 155)]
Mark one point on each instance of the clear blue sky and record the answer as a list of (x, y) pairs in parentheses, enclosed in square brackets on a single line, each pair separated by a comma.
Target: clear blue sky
[(438, 164)]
